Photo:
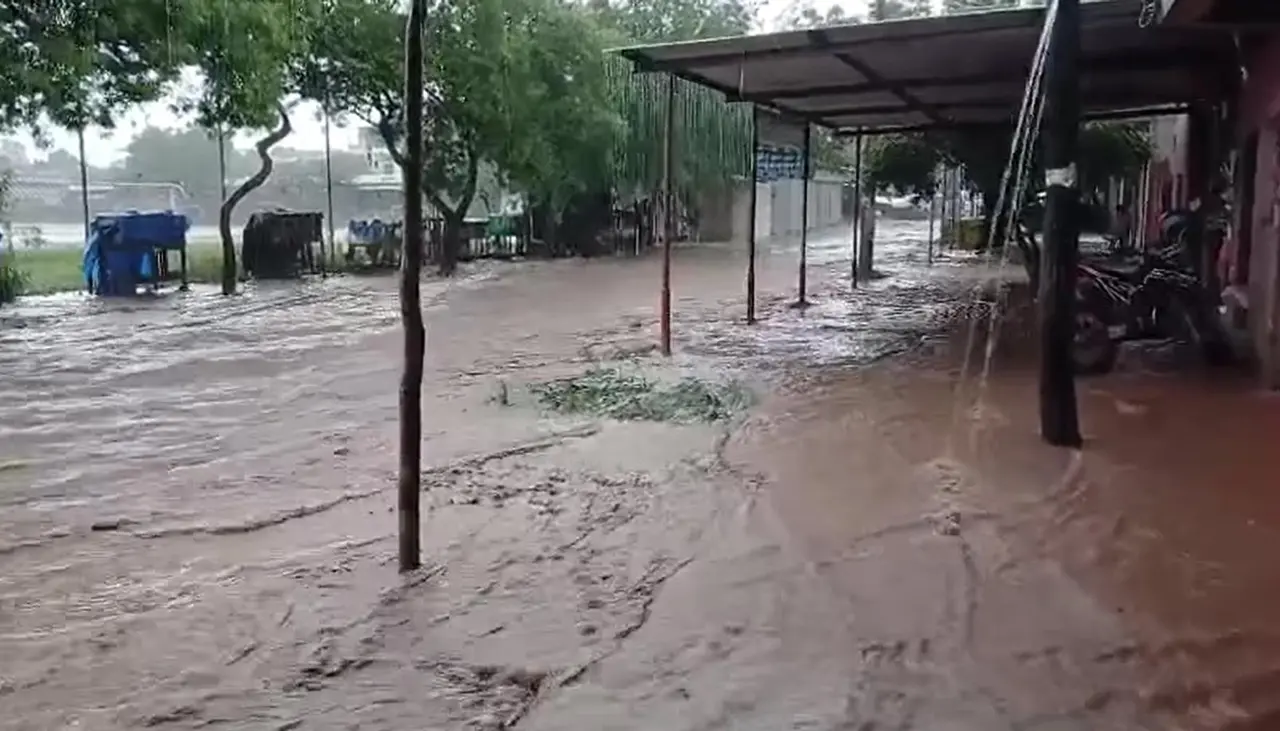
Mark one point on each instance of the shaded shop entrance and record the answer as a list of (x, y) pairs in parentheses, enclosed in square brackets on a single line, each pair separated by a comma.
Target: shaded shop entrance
[(967, 71), (1248, 140)]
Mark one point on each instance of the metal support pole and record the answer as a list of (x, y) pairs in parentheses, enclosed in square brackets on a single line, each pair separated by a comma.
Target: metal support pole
[(803, 283), (953, 207), (933, 207), (751, 215), (866, 238), (1059, 420), (222, 162), (668, 212), (409, 484), (857, 208), (84, 182), (328, 187), (941, 194)]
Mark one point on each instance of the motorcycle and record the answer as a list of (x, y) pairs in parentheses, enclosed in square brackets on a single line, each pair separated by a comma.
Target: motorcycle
[(1158, 298)]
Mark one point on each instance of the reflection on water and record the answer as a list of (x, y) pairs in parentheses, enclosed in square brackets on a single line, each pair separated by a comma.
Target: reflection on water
[(955, 544)]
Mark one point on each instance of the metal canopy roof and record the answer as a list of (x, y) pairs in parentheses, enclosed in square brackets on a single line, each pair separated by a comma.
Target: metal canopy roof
[(949, 70)]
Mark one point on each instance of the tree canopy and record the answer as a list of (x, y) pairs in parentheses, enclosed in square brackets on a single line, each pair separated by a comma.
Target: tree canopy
[(663, 21), (518, 85), (79, 62), (518, 89)]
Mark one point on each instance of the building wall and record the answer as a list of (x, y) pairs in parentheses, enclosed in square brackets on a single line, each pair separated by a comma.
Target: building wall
[(1260, 113), (786, 205), (1167, 175), (778, 207)]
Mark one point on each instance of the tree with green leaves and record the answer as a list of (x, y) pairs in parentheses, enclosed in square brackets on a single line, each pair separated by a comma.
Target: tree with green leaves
[(80, 62), (572, 125), (908, 163), (515, 85), (12, 279), (882, 10), (246, 50), (667, 21), (954, 7)]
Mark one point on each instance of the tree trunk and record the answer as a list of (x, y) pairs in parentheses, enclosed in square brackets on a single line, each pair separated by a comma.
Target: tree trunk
[(451, 244), (454, 216), (263, 147), (409, 484)]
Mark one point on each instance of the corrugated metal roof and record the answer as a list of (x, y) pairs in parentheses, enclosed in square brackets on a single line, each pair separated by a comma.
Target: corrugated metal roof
[(948, 70)]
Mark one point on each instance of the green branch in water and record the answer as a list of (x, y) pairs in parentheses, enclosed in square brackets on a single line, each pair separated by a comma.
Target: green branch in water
[(610, 393)]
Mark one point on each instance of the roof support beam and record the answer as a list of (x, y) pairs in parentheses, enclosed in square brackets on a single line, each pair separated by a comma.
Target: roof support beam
[(1123, 114), (870, 74), (1117, 62), (1109, 98)]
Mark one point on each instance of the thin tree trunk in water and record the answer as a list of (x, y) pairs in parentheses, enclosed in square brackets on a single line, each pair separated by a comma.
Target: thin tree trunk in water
[(263, 147), (410, 478), (456, 216), (451, 243)]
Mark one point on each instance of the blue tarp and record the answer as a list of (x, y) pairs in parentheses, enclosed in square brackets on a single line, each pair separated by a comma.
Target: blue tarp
[(121, 250), (368, 232)]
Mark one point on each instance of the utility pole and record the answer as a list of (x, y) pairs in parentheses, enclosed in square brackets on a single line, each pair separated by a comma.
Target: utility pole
[(84, 180), (410, 478), (1059, 419)]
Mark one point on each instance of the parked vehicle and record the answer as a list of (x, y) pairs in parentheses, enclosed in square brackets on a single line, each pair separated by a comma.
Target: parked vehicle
[(1159, 297)]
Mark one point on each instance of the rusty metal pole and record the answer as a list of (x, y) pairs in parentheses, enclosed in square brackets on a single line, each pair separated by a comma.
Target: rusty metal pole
[(803, 285), (751, 216), (410, 478), (668, 213), (857, 207), (1059, 420)]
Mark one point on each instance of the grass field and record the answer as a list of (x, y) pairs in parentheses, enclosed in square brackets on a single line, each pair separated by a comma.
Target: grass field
[(46, 271)]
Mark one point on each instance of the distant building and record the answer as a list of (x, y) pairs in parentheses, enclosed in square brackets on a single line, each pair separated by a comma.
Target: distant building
[(381, 186)]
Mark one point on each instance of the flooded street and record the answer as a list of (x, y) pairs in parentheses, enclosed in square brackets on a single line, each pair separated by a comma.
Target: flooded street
[(198, 493)]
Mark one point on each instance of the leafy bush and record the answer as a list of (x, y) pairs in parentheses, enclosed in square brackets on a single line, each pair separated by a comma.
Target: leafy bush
[(12, 281)]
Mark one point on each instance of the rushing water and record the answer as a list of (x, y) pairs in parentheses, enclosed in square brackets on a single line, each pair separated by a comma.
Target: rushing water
[(71, 235), (197, 526)]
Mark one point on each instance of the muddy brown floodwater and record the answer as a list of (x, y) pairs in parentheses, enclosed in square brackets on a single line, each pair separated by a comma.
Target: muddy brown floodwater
[(197, 516)]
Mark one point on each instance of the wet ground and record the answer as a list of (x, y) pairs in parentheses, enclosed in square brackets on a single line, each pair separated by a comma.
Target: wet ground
[(196, 516)]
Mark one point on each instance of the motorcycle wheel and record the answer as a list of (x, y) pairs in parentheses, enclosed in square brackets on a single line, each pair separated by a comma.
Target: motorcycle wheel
[(1203, 333), (1093, 352)]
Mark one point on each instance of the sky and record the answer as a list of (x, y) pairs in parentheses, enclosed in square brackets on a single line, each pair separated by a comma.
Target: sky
[(106, 147)]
